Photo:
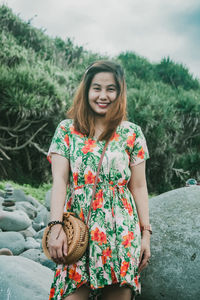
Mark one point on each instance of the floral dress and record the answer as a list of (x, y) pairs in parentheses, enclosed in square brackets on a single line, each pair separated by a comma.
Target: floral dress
[(114, 231)]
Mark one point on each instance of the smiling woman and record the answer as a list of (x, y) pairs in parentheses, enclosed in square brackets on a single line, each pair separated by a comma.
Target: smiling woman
[(102, 92), (117, 251)]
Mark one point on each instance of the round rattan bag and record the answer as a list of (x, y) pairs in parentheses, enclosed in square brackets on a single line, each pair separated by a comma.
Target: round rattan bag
[(77, 238)]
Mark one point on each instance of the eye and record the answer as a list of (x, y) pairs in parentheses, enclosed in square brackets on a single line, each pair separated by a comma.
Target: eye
[(111, 89), (96, 88)]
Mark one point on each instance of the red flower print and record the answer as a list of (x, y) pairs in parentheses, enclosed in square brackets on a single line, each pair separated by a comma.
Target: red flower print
[(57, 273), (102, 239), (69, 203), (113, 214), (73, 131), (131, 140), (61, 292), (77, 277), (81, 283), (89, 146), (66, 139), (127, 239), (107, 252), (136, 281), (52, 292), (63, 128), (74, 275), (89, 178), (123, 182), (104, 259), (127, 206), (98, 236), (81, 215), (113, 276), (124, 268), (75, 178), (115, 137), (141, 153), (98, 202), (95, 234)]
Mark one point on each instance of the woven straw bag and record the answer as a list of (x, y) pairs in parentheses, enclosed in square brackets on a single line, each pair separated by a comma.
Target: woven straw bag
[(76, 230), (77, 238)]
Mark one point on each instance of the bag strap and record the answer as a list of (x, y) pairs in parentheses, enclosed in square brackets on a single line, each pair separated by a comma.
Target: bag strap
[(96, 179)]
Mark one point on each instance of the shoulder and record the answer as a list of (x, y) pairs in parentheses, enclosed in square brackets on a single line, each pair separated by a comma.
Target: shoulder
[(66, 123), (130, 127)]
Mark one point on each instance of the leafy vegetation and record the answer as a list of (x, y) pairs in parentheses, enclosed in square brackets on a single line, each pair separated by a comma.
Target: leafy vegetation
[(38, 78), (36, 192)]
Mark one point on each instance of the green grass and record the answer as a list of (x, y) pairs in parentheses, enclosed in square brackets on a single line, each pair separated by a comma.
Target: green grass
[(38, 193)]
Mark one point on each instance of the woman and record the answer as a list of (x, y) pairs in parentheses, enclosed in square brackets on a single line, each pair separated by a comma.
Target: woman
[(117, 250)]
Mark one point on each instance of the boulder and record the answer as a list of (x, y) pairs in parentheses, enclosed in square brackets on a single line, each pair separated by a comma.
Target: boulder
[(31, 243), (28, 208), (13, 241), (20, 196), (5, 251), (43, 216), (29, 232), (39, 234), (24, 279), (174, 269), (38, 256), (37, 226), (14, 221)]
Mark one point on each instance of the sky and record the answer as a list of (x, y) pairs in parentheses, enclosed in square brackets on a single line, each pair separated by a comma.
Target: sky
[(151, 28)]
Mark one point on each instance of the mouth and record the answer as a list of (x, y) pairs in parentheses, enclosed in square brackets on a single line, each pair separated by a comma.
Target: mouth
[(102, 105)]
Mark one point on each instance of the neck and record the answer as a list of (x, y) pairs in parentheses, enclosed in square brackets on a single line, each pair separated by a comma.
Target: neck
[(99, 126)]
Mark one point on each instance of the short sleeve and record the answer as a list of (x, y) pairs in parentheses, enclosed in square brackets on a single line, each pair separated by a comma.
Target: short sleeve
[(60, 141), (140, 151)]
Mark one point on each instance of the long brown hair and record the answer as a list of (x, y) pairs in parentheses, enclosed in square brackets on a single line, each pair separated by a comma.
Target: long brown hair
[(81, 112)]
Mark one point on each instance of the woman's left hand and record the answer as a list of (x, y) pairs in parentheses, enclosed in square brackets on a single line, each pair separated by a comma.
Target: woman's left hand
[(145, 253)]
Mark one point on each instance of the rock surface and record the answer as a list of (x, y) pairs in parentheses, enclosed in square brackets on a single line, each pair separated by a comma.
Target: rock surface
[(38, 256), (13, 241), (174, 270), (28, 208), (29, 280), (5, 251), (14, 221)]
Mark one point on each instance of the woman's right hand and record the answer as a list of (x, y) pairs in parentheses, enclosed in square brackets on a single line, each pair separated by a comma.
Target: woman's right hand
[(57, 244)]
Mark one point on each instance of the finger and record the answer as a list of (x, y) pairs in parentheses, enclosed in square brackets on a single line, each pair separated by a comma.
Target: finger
[(141, 255), (60, 254), (144, 263), (54, 256), (142, 266), (65, 248)]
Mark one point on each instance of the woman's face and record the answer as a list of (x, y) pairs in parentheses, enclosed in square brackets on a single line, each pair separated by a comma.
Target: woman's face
[(102, 92)]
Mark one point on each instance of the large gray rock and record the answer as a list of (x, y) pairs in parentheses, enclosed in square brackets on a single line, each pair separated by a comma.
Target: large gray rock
[(43, 216), (13, 241), (31, 243), (29, 232), (38, 256), (174, 270), (14, 221), (19, 195), (28, 208), (23, 279)]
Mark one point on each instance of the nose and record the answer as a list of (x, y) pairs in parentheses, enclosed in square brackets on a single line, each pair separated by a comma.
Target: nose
[(103, 94)]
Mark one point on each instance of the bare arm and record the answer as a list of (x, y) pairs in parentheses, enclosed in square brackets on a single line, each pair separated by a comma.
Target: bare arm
[(60, 173), (58, 242), (138, 188)]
